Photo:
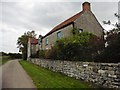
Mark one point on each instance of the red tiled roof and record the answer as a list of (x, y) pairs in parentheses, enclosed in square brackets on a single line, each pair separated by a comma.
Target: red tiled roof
[(66, 22), (33, 41)]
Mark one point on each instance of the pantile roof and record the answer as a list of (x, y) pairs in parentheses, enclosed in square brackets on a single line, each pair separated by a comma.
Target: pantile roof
[(66, 22)]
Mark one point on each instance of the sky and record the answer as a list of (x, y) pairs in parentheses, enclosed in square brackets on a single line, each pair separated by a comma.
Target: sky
[(18, 17)]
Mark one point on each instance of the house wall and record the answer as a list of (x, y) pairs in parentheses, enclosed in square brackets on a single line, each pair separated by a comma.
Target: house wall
[(33, 49), (66, 31), (37, 47), (28, 50), (89, 23)]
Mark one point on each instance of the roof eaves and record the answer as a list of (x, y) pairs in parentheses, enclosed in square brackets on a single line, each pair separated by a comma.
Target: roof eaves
[(65, 23)]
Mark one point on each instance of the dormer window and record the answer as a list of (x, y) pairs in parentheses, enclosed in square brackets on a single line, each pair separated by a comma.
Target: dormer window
[(59, 34)]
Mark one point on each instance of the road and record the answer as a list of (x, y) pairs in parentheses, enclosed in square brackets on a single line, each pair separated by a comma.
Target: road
[(14, 76)]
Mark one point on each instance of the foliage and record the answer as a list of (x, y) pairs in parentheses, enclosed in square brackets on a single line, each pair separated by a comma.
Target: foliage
[(4, 59), (3, 54), (44, 78), (22, 43), (41, 54), (14, 55), (116, 25), (36, 55), (112, 51), (81, 46), (11, 55)]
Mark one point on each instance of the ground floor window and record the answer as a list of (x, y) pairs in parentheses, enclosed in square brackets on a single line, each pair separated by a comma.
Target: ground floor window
[(59, 34)]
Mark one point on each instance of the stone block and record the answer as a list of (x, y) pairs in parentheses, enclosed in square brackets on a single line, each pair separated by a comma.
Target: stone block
[(112, 76), (101, 71)]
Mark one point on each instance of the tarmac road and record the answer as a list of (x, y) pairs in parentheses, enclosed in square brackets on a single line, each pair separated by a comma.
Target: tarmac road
[(14, 76)]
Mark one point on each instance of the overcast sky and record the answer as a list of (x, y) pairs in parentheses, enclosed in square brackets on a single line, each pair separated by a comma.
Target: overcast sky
[(26, 15)]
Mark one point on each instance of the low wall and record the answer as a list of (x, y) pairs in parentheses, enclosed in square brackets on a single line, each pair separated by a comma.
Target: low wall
[(105, 74)]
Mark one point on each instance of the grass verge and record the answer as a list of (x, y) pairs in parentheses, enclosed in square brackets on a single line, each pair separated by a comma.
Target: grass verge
[(44, 78)]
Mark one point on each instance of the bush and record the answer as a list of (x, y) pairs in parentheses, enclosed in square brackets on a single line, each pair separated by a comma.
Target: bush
[(14, 55), (41, 54), (36, 55), (78, 47), (111, 53)]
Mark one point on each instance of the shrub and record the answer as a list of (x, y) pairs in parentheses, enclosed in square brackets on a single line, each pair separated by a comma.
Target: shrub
[(82, 46), (36, 55), (41, 54), (111, 53)]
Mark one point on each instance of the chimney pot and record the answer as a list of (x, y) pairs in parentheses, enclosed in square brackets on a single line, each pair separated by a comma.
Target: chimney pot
[(86, 6)]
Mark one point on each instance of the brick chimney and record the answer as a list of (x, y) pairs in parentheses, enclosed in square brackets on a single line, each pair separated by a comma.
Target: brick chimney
[(86, 6)]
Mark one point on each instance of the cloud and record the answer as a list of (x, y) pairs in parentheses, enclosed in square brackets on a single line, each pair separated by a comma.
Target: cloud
[(58, 0), (19, 17)]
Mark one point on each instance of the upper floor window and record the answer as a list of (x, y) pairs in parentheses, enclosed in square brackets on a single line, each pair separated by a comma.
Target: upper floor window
[(80, 30), (46, 41), (59, 34)]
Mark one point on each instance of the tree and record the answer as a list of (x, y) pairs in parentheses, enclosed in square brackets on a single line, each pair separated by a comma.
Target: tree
[(22, 42), (112, 51), (116, 25)]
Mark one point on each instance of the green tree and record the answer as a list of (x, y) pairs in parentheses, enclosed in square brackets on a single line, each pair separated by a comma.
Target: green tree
[(111, 53), (22, 43), (116, 25)]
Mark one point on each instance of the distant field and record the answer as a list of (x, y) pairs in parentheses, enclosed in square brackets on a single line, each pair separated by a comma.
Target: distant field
[(3, 59)]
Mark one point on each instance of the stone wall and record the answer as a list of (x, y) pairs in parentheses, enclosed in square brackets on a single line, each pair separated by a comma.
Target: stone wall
[(103, 74)]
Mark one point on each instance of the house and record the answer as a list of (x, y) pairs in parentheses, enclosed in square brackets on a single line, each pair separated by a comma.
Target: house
[(83, 21), (33, 47)]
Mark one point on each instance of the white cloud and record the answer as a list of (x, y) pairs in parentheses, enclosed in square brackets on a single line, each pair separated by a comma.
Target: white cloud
[(23, 15), (58, 0)]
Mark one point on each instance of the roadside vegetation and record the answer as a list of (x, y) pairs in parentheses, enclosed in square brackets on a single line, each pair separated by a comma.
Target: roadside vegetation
[(4, 57), (44, 78)]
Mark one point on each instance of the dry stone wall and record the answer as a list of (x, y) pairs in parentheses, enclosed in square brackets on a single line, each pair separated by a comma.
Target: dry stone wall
[(103, 74)]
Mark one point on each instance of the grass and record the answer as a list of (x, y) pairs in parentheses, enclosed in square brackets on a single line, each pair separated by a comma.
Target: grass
[(44, 78), (3, 59)]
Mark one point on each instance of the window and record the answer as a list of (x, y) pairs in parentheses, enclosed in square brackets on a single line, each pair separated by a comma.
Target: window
[(80, 30), (59, 34), (39, 40), (46, 41)]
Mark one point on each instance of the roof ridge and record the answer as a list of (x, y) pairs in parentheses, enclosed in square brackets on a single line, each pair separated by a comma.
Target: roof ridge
[(64, 23)]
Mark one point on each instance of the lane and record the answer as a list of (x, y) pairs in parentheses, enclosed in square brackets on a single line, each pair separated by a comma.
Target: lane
[(14, 76)]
